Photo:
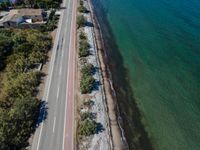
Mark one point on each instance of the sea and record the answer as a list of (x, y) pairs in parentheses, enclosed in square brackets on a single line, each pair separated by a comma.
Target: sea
[(9, 0), (153, 50)]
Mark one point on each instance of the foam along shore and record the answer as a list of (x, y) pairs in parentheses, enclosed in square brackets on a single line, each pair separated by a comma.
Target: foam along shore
[(115, 132)]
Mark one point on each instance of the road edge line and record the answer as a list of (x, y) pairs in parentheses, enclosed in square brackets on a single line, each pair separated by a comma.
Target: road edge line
[(52, 62)]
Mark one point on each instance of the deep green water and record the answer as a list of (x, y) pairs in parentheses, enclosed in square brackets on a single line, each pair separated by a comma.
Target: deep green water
[(157, 43)]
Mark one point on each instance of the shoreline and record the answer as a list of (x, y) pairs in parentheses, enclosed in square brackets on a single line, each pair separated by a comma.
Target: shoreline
[(126, 109), (117, 133)]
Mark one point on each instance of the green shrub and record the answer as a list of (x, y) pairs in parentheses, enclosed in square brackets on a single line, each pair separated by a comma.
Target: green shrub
[(81, 20), (84, 44), (83, 48), (87, 79), (87, 69), (82, 36), (82, 9), (81, 2), (87, 127), (86, 84), (51, 23), (52, 14), (83, 52), (86, 115)]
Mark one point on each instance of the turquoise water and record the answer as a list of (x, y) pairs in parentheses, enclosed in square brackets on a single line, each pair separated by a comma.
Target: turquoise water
[(10, 1), (158, 44)]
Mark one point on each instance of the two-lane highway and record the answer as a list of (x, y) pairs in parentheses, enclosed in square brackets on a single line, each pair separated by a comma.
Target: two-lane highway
[(51, 134)]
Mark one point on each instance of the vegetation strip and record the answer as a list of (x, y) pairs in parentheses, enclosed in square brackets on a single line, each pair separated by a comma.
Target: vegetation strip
[(87, 126), (18, 102), (92, 103), (22, 52)]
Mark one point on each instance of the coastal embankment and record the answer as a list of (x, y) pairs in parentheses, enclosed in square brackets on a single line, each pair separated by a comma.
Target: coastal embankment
[(91, 101), (120, 98), (117, 135), (99, 102)]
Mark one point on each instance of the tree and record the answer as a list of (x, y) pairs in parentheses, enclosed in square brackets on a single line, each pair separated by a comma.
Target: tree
[(6, 32), (19, 37), (6, 45), (17, 124), (47, 4), (17, 64), (5, 129), (36, 57), (52, 13), (24, 84), (23, 115), (20, 49), (24, 48), (4, 5), (40, 41), (29, 3), (51, 23)]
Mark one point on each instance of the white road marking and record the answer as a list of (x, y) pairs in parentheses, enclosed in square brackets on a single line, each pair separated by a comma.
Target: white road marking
[(60, 70), (54, 123), (50, 77), (62, 51), (51, 71), (58, 92)]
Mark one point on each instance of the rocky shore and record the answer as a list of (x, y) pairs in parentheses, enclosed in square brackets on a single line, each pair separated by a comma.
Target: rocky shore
[(116, 133)]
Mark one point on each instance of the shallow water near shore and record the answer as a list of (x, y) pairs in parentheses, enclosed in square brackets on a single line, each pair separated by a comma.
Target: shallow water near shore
[(154, 54)]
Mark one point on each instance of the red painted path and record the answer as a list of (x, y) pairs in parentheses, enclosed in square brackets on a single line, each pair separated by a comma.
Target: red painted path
[(69, 113)]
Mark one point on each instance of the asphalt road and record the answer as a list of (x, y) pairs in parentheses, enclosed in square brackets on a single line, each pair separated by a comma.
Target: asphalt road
[(52, 133)]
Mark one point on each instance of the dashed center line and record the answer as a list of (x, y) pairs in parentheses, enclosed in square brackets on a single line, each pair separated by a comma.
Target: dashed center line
[(54, 123), (60, 70), (58, 92)]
